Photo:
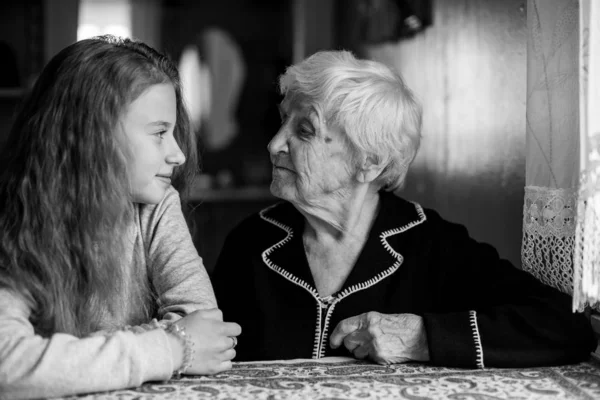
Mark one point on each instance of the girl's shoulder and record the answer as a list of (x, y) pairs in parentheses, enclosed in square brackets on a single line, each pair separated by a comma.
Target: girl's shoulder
[(12, 302), (170, 201), (148, 217)]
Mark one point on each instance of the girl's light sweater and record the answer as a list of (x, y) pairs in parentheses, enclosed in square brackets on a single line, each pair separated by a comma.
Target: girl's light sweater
[(161, 251)]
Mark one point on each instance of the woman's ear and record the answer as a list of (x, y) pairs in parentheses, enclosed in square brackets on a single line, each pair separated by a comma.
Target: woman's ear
[(369, 169)]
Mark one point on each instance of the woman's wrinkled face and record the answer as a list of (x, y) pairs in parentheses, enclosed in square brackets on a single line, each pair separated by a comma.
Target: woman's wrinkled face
[(153, 152), (311, 161)]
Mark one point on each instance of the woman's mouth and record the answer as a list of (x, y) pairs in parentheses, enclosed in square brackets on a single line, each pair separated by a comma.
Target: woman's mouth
[(280, 168)]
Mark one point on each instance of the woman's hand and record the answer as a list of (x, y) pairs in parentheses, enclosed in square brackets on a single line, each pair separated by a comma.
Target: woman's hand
[(384, 338), (213, 342)]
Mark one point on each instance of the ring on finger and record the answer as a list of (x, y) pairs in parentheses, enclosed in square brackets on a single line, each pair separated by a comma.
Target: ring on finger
[(234, 342)]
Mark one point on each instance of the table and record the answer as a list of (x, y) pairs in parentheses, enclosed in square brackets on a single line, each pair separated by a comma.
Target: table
[(343, 378)]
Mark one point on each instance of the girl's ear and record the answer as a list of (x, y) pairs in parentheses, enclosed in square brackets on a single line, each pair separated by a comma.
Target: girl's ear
[(369, 169)]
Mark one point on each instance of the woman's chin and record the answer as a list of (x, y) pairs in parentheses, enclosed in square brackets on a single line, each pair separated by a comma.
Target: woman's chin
[(282, 191)]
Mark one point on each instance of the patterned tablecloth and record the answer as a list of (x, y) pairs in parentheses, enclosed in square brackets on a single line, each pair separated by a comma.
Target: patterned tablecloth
[(350, 379)]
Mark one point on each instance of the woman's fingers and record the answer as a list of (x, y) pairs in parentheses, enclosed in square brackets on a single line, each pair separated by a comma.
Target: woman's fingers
[(352, 341), (343, 329), (361, 352)]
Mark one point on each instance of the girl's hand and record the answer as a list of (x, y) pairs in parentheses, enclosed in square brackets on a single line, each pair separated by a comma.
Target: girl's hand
[(213, 342)]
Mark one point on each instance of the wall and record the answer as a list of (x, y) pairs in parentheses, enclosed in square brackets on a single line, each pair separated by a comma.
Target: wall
[(22, 54), (469, 71), (34, 30), (313, 27), (21, 29), (262, 30), (60, 25)]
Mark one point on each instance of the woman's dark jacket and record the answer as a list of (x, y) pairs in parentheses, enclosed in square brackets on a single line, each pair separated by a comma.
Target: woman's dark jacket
[(478, 309)]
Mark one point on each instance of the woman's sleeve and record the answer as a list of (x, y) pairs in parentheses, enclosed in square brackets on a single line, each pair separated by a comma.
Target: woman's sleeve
[(233, 281), (496, 315), (32, 366), (176, 270), (229, 278)]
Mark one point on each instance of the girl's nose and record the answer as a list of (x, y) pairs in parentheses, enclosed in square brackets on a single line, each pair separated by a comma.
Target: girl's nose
[(175, 155)]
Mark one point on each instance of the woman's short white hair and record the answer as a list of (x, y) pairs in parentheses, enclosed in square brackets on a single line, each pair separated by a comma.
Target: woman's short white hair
[(368, 101)]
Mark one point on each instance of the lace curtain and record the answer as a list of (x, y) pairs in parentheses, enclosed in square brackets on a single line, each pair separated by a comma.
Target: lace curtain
[(587, 249), (556, 117)]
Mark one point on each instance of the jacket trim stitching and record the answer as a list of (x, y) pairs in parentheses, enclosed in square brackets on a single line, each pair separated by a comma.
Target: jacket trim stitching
[(379, 277), (289, 276), (317, 343), (321, 336), (326, 329), (477, 339)]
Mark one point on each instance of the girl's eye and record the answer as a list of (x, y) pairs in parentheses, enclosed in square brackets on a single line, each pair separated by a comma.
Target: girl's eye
[(161, 134)]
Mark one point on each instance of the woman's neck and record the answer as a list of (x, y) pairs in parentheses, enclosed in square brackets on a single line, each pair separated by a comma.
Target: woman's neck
[(345, 215)]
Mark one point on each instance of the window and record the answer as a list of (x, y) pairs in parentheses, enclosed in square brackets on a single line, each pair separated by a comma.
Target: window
[(99, 17)]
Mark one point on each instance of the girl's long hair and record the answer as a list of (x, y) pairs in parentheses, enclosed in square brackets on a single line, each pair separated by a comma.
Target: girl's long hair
[(64, 192)]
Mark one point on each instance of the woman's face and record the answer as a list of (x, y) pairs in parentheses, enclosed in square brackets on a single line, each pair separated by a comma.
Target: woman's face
[(152, 150), (310, 160)]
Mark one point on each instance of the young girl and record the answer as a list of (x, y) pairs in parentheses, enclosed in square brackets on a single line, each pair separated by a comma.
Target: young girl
[(100, 285)]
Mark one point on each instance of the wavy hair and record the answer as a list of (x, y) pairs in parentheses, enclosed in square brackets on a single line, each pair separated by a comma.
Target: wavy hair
[(64, 203), (366, 99)]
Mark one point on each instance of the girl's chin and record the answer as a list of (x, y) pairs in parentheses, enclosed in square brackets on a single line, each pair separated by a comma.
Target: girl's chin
[(153, 196)]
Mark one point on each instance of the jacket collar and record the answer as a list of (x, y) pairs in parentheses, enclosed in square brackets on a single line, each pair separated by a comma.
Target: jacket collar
[(379, 258)]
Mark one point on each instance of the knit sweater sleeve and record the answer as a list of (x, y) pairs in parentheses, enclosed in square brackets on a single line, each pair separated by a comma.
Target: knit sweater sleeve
[(493, 314), (32, 366), (176, 270)]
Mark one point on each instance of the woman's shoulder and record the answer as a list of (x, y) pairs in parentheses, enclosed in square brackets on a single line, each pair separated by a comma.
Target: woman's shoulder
[(278, 217), (413, 213), (398, 211)]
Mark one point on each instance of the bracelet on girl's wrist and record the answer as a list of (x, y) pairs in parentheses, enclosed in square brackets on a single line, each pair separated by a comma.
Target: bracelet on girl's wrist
[(188, 348)]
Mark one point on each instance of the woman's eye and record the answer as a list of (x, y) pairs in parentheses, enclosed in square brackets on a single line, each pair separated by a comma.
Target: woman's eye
[(161, 134), (305, 130)]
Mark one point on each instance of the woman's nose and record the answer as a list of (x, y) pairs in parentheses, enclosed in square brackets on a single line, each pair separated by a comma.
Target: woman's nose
[(175, 156), (279, 143)]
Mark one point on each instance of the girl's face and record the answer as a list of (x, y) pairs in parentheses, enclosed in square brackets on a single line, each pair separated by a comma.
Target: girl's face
[(153, 152)]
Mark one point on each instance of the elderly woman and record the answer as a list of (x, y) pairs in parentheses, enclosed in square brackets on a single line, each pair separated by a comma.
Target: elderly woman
[(343, 267)]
